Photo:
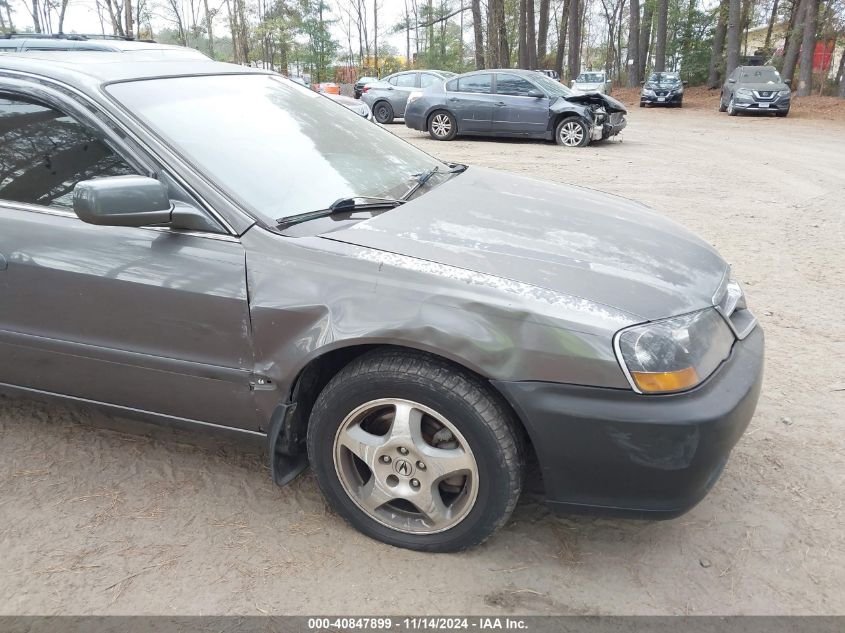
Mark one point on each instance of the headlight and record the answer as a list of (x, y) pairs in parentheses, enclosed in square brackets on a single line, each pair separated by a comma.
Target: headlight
[(414, 96), (648, 92), (784, 93), (674, 354), (743, 92)]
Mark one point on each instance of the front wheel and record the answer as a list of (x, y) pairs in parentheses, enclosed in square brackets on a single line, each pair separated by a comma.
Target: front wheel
[(732, 111), (722, 106), (415, 452), (572, 132), (783, 113), (442, 126)]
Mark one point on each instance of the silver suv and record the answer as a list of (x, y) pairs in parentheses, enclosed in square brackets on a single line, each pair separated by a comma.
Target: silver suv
[(755, 89)]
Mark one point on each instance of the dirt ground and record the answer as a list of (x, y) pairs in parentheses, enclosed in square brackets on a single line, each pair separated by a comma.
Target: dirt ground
[(95, 520)]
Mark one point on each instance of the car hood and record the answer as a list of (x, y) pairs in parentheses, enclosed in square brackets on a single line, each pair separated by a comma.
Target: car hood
[(586, 87), (567, 239), (597, 98)]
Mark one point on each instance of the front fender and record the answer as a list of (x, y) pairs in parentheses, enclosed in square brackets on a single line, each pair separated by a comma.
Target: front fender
[(309, 296)]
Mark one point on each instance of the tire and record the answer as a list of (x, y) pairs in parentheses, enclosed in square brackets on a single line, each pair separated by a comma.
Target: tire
[(680, 104), (642, 105), (383, 112), (358, 408), (572, 132), (722, 106), (782, 113), (731, 109), (442, 126)]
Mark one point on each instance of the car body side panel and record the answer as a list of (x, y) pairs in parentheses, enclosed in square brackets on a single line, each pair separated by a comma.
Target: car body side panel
[(134, 317), (312, 295)]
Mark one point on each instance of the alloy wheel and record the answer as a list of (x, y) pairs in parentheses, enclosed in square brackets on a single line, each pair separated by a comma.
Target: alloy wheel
[(571, 134), (406, 466), (441, 125)]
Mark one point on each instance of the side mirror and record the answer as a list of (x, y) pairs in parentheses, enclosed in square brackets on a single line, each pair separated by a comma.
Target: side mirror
[(731, 80), (122, 201), (788, 82), (537, 94), (135, 201)]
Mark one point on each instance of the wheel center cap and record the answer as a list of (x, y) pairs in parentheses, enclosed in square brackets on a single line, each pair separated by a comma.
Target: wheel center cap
[(403, 467)]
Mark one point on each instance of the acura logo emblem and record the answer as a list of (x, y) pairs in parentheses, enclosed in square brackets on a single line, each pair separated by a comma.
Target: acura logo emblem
[(403, 467)]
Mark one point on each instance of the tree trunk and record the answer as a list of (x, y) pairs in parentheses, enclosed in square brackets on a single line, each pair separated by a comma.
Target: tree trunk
[(771, 26), (645, 37), (504, 51), (660, 41), (375, 34), (634, 45), (492, 35), (543, 31), (210, 28), (561, 40), (522, 36), (62, 16), (687, 43), (574, 62), (233, 27), (127, 16), (531, 35), (790, 58), (36, 19), (841, 75), (478, 32), (808, 49), (713, 78), (732, 56)]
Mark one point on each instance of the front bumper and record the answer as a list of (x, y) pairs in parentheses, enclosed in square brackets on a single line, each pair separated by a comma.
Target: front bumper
[(750, 105), (611, 127), (669, 99), (618, 452)]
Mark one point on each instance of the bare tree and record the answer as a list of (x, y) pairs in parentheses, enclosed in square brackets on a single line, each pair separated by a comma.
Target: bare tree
[(808, 49), (561, 37), (574, 60), (660, 39), (522, 36), (543, 31), (375, 35), (713, 79), (634, 44), (478, 34), (732, 58), (790, 57), (771, 25), (531, 34), (645, 36)]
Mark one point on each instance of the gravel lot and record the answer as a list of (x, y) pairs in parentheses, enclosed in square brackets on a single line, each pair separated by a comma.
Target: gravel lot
[(97, 520)]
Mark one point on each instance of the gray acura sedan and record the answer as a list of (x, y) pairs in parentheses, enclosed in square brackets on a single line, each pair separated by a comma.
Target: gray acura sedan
[(215, 247)]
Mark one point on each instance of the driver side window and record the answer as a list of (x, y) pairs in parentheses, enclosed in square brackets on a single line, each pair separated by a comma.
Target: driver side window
[(44, 153)]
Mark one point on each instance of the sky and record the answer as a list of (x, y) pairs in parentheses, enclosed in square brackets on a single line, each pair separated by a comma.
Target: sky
[(81, 17)]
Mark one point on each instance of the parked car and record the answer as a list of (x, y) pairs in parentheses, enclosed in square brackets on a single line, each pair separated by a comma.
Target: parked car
[(32, 42), (663, 89), (213, 247), (388, 97), (592, 81), (355, 105), (755, 89), (360, 86), (511, 102), (551, 74)]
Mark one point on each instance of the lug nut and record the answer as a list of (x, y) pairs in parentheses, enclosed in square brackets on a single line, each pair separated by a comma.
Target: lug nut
[(420, 465), (403, 450), (385, 459), (415, 483)]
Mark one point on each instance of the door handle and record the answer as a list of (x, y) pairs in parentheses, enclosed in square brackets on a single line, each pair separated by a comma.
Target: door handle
[(3, 263), (453, 98), (500, 103)]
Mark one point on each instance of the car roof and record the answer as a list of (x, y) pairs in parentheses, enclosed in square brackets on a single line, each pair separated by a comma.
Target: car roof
[(512, 71), (23, 43), (88, 68)]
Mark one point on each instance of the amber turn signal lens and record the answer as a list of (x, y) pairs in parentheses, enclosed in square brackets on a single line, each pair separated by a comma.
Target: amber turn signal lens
[(662, 381)]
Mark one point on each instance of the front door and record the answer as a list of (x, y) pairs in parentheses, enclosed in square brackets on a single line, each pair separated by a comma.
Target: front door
[(144, 318), (516, 112)]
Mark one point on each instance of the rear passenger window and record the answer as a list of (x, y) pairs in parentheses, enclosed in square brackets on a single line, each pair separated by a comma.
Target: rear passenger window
[(476, 83), (44, 153), (426, 80), (407, 81)]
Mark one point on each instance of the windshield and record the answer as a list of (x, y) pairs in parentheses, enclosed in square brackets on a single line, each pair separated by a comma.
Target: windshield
[(590, 78), (664, 79), (760, 75), (551, 87), (275, 147)]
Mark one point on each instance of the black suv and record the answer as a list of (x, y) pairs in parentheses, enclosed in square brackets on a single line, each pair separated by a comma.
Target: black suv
[(663, 89)]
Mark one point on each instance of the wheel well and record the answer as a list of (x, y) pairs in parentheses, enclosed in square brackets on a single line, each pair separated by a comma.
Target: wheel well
[(561, 116), (314, 377)]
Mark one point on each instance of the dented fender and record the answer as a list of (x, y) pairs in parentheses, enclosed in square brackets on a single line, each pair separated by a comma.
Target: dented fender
[(310, 296)]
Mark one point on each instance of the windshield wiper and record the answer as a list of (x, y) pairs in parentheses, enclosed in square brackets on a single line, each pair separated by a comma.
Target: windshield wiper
[(424, 177), (341, 205)]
